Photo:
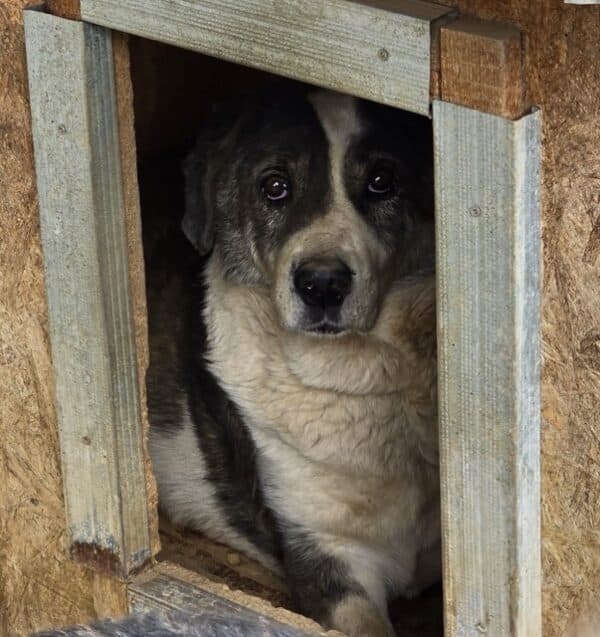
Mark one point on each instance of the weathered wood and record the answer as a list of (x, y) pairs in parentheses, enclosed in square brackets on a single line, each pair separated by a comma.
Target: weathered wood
[(76, 141), (481, 66), (212, 621), (488, 253), (110, 596), (135, 253), (167, 586), (366, 49)]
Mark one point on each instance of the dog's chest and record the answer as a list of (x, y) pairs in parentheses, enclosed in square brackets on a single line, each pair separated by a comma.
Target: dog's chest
[(336, 461)]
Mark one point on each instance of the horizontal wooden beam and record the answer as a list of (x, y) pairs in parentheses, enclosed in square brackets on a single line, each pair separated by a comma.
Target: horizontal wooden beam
[(488, 269), (82, 214), (377, 49)]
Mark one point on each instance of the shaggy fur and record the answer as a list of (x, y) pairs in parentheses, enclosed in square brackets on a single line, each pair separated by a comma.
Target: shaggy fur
[(304, 433)]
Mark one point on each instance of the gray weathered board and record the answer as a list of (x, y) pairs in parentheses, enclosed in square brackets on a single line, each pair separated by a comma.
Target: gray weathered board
[(75, 132), (164, 593), (362, 48), (178, 624), (488, 265)]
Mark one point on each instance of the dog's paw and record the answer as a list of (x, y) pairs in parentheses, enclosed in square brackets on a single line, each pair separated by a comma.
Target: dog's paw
[(357, 616)]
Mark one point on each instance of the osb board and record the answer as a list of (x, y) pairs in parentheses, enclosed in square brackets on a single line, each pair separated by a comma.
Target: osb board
[(39, 585), (563, 75)]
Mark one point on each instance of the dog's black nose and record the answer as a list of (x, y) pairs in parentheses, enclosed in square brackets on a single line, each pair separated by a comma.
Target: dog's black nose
[(323, 282)]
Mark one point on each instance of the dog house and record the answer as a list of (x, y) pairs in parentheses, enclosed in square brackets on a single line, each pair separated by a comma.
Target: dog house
[(471, 76)]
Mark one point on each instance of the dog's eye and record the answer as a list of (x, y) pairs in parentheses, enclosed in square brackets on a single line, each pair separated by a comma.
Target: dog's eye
[(381, 180), (275, 187)]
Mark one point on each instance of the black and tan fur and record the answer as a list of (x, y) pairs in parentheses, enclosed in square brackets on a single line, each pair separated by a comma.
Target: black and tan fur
[(304, 432)]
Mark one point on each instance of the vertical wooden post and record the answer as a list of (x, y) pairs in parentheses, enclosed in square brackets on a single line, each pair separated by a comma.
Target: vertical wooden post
[(488, 263), (77, 153)]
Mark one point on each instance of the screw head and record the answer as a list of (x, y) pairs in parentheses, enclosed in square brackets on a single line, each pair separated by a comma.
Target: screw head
[(383, 54), (475, 211)]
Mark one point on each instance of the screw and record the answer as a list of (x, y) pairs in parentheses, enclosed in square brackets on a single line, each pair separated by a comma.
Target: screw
[(475, 211), (383, 54), (62, 129)]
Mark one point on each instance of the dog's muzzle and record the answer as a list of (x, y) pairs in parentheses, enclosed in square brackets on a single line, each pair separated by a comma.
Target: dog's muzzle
[(323, 285)]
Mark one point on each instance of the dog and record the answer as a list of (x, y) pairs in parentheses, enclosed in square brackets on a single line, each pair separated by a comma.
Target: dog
[(292, 378)]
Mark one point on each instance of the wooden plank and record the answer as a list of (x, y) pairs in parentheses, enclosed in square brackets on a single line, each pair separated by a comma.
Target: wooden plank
[(135, 253), (167, 587), (488, 255), (364, 49), (481, 66), (77, 157)]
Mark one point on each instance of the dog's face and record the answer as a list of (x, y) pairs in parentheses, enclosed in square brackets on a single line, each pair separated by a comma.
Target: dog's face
[(323, 199)]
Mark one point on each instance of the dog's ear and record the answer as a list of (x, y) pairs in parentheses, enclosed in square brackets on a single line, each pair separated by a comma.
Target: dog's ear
[(199, 216), (200, 168)]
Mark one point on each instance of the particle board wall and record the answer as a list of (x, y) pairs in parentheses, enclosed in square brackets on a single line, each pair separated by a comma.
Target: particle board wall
[(39, 585), (562, 65)]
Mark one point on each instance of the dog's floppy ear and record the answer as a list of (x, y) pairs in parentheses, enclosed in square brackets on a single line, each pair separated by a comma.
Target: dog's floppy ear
[(199, 217), (199, 169)]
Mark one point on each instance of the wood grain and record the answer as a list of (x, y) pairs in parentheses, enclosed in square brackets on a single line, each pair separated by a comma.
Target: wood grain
[(135, 254), (64, 8), (481, 66), (77, 152), (168, 586), (488, 273), (358, 48)]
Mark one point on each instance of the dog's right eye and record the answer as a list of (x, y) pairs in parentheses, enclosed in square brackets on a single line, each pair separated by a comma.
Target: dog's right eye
[(275, 187)]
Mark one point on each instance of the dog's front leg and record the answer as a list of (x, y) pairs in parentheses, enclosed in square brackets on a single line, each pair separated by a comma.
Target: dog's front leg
[(328, 589)]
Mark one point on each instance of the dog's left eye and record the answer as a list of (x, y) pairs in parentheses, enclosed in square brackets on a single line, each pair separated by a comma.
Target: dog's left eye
[(381, 180), (275, 187)]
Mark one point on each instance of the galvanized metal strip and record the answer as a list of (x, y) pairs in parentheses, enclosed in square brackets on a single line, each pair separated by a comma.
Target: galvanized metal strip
[(76, 143), (488, 261), (362, 48)]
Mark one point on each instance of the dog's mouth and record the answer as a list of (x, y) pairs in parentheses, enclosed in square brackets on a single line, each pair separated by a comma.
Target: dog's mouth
[(325, 328)]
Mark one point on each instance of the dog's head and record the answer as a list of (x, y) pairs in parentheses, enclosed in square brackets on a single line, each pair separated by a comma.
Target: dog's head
[(323, 199)]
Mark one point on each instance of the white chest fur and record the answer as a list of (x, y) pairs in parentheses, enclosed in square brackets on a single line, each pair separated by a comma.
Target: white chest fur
[(345, 426)]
